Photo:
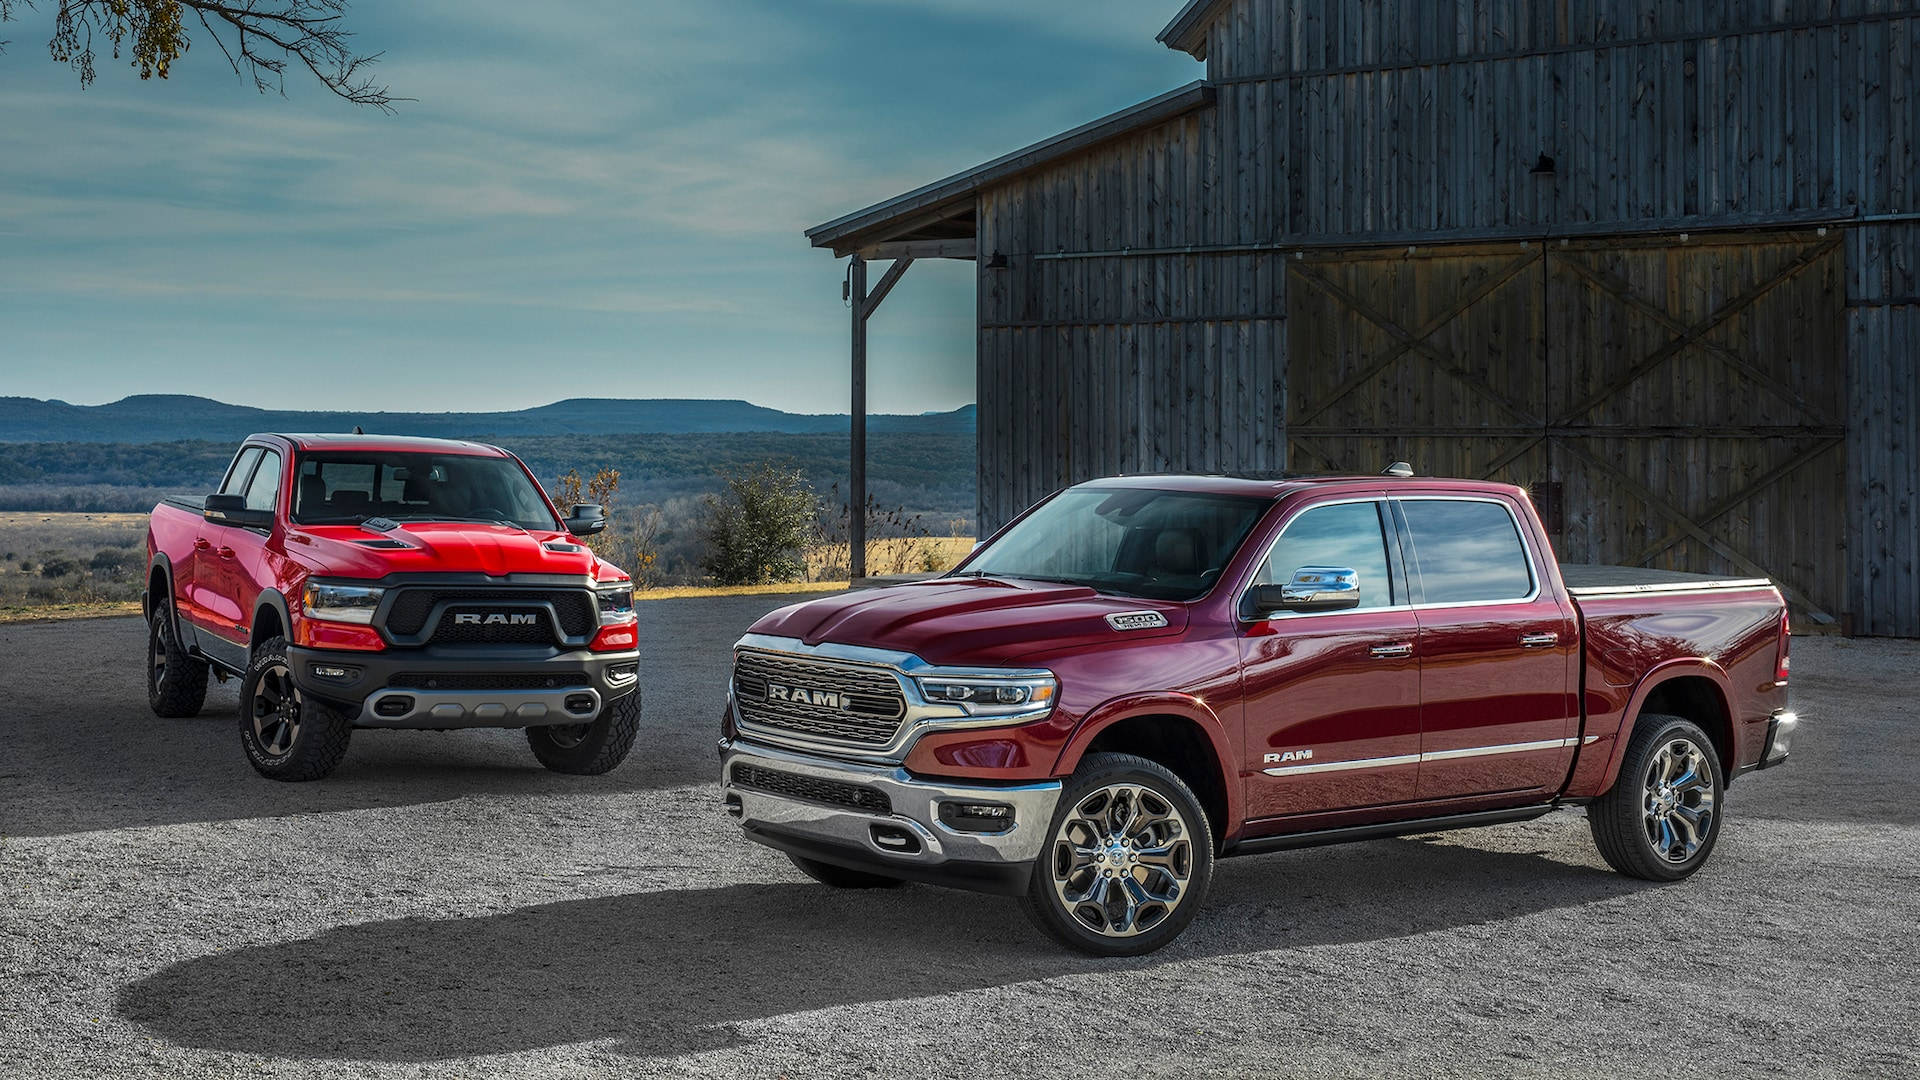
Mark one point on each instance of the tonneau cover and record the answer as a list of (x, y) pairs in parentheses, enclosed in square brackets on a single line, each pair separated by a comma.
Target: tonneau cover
[(1590, 580)]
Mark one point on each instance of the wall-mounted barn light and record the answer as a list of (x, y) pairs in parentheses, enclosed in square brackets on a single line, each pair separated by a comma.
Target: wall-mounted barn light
[(997, 261), (1544, 166)]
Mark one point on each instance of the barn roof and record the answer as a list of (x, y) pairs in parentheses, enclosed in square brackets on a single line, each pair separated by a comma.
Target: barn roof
[(941, 213), (1188, 30)]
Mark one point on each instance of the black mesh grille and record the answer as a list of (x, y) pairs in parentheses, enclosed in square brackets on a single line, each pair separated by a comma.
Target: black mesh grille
[(579, 612), (454, 632), (862, 704), (813, 789), (485, 680)]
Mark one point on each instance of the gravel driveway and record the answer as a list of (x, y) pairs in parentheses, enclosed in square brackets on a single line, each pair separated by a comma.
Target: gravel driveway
[(442, 906)]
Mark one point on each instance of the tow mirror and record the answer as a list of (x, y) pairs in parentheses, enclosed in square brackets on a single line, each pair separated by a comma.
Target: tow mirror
[(587, 519), (1313, 589), (232, 510)]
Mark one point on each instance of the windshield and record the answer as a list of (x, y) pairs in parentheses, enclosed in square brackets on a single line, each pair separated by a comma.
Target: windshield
[(1162, 545), (345, 489)]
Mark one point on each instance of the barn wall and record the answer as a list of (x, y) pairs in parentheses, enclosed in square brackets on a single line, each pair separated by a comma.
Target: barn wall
[(1883, 448)]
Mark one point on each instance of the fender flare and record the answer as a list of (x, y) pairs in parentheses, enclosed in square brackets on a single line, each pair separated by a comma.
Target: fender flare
[(269, 599), (1664, 672), (1161, 703), (164, 565)]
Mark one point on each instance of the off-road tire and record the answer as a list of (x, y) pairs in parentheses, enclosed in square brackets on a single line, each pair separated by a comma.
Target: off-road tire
[(1045, 907), (176, 681), (322, 731), (1622, 829), (840, 877), (601, 746)]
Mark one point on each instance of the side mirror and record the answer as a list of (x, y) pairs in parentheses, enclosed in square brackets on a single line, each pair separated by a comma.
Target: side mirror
[(587, 519), (1313, 589), (232, 510)]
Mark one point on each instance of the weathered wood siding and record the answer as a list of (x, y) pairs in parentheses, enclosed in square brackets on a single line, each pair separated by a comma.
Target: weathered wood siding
[(1149, 314), (1883, 439)]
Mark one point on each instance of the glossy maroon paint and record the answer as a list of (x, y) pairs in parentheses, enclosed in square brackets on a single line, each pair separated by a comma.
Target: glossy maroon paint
[(222, 575), (1260, 688)]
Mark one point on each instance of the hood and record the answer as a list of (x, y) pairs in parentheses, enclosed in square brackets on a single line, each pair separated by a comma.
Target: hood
[(969, 621), (446, 547)]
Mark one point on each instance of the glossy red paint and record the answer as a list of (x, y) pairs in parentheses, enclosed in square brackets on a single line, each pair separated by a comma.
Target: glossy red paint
[(1263, 691), (228, 580)]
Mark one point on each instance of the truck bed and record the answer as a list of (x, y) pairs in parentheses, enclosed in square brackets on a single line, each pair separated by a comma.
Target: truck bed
[(1590, 580)]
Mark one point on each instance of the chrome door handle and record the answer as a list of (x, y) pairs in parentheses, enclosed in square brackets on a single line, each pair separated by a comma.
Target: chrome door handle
[(1385, 652), (1539, 641)]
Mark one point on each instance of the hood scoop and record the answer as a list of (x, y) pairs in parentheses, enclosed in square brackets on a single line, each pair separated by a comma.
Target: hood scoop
[(381, 525), (563, 547)]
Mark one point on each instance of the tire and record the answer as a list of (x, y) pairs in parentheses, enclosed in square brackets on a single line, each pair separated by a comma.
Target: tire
[(592, 748), (839, 877), (1166, 891), (1661, 818), (287, 735), (176, 680)]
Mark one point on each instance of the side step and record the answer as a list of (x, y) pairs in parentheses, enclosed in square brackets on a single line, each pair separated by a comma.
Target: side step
[(1383, 829)]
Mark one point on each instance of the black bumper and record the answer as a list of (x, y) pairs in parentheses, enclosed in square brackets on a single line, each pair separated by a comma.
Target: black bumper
[(466, 686)]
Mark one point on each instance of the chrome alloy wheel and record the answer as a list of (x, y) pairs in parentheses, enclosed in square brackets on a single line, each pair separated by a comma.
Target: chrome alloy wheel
[(1677, 800), (1121, 860), (276, 711)]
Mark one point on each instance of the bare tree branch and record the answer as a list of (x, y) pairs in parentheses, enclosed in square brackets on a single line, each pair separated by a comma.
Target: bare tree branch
[(258, 38)]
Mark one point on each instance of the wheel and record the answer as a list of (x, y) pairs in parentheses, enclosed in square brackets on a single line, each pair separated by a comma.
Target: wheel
[(288, 735), (1128, 859), (592, 748), (1662, 816), (840, 877), (176, 681)]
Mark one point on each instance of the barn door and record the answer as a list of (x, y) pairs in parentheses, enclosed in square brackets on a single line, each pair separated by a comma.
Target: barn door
[(1673, 405)]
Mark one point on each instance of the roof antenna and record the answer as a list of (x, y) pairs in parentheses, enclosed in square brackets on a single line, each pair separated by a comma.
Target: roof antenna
[(1398, 468), (358, 431)]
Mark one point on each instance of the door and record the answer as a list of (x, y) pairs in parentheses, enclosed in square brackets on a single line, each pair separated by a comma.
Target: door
[(201, 601), (1498, 712), (1332, 699), (230, 572)]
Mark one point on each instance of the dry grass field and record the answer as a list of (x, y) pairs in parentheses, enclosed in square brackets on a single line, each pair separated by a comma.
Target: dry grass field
[(893, 555), (70, 564)]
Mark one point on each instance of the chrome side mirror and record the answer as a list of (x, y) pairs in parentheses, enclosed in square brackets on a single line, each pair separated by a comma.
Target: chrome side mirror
[(1312, 589)]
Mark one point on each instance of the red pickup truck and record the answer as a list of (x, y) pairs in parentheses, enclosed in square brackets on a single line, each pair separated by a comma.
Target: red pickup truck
[(383, 582), (1141, 675)]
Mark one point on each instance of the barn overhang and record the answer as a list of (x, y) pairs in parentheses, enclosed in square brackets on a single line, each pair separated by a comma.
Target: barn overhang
[(1188, 30), (939, 221)]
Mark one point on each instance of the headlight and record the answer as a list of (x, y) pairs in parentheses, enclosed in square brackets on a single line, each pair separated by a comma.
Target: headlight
[(616, 603), (985, 695), (341, 603)]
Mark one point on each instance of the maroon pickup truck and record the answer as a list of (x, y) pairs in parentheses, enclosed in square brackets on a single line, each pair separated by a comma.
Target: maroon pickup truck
[(366, 581), (1141, 675)]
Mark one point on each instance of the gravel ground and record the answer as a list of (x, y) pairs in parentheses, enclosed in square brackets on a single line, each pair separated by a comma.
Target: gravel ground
[(443, 907)]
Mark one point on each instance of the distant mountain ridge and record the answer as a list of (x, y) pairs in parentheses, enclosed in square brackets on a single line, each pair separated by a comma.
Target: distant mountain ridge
[(168, 417)]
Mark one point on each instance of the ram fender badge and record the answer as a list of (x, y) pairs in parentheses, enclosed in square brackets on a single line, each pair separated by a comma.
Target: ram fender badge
[(1290, 755), (1136, 620)]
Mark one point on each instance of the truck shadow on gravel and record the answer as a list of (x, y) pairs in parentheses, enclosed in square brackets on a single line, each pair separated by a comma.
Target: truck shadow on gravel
[(668, 973)]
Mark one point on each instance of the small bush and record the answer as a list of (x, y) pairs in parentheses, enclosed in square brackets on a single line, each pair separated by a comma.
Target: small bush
[(58, 567), (756, 530)]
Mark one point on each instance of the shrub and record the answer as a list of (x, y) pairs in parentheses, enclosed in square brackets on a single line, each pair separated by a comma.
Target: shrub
[(57, 567), (756, 530)]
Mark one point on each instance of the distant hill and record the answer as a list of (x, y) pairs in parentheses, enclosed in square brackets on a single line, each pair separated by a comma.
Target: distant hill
[(167, 417)]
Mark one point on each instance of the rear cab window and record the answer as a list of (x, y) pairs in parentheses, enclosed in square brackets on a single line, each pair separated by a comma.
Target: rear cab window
[(1467, 551)]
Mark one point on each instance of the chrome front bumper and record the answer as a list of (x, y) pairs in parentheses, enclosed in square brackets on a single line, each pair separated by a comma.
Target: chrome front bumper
[(855, 838)]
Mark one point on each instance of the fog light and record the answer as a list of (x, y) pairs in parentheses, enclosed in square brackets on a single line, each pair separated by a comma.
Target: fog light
[(976, 817), (399, 705), (337, 674), (579, 703)]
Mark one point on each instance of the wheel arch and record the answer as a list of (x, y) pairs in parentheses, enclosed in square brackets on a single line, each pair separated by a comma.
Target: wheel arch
[(271, 618), (159, 581), (1696, 689), (1178, 731)]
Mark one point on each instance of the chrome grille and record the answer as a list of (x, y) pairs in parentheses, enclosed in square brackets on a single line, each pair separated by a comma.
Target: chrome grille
[(870, 704)]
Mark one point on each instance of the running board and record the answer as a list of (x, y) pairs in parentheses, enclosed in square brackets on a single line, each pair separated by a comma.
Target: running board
[(1383, 829)]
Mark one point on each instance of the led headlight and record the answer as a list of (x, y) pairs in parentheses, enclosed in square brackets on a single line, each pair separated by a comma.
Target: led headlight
[(341, 603), (984, 695), (616, 603)]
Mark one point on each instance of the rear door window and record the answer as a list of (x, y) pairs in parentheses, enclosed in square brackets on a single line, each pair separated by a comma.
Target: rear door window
[(1467, 551)]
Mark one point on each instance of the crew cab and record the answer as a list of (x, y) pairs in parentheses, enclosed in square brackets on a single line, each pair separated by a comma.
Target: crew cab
[(1140, 675), (358, 581)]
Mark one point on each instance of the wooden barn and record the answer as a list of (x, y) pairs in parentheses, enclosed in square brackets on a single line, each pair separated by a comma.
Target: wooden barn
[(1657, 260)]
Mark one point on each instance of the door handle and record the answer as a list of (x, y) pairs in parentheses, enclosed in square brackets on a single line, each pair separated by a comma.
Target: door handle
[(201, 543), (1539, 641), (1387, 652), (224, 552)]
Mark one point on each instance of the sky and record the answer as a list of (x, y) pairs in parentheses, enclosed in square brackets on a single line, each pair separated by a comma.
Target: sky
[(602, 198)]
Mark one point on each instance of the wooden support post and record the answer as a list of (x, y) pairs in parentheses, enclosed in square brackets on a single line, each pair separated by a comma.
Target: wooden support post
[(857, 473)]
